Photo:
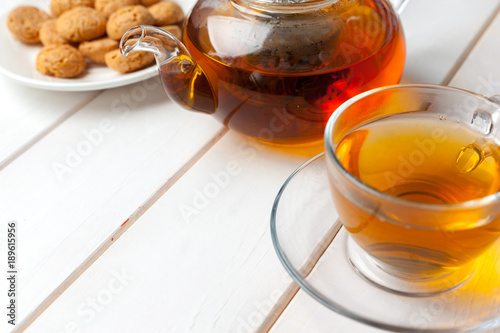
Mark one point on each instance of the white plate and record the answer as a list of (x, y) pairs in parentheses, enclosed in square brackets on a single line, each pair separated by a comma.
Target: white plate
[(17, 61)]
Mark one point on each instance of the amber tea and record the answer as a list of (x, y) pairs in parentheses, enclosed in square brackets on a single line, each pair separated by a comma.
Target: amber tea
[(283, 90), (420, 158)]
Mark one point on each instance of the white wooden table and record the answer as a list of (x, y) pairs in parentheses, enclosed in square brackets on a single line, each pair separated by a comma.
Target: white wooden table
[(140, 236)]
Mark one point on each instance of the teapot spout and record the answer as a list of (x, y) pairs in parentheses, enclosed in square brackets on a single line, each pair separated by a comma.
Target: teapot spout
[(161, 43), (183, 79)]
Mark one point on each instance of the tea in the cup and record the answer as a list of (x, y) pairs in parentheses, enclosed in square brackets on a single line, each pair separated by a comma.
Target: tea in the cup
[(415, 177), (422, 159)]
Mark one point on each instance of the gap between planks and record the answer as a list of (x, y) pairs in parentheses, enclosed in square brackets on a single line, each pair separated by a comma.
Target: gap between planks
[(290, 292), (471, 46), (68, 114), (305, 270), (111, 239)]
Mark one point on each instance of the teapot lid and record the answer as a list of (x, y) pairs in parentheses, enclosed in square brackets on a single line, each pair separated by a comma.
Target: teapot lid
[(284, 6)]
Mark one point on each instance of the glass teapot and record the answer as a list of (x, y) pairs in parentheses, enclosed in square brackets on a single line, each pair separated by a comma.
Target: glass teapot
[(275, 70)]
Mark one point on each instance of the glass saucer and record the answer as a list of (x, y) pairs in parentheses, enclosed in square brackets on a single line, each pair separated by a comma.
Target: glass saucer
[(311, 244)]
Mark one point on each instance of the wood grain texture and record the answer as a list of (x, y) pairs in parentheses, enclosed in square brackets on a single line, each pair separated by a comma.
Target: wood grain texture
[(480, 72), (58, 180), (202, 255), (27, 115), (73, 189), (440, 35)]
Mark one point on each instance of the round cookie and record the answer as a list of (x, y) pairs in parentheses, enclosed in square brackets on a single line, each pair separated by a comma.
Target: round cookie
[(166, 13), (95, 50), (108, 7), (148, 3), (57, 7), (80, 24), (125, 18), (49, 34), (173, 29), (25, 23), (60, 60), (134, 61)]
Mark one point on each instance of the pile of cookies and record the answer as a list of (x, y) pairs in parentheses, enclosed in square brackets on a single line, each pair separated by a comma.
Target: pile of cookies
[(82, 32)]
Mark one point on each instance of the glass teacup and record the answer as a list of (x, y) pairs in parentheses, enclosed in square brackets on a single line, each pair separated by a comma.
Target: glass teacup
[(415, 177)]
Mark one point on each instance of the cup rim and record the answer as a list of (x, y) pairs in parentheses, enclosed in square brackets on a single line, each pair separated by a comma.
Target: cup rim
[(331, 156)]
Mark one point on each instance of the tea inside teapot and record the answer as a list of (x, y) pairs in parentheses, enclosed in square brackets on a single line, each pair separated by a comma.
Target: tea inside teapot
[(275, 71)]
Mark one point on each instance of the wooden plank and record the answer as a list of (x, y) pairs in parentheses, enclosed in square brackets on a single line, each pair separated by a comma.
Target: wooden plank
[(480, 73), (201, 258), (25, 117), (80, 183), (441, 35), (58, 180), (203, 248), (314, 317)]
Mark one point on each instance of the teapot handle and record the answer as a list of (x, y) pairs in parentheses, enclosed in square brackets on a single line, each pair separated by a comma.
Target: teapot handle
[(399, 5)]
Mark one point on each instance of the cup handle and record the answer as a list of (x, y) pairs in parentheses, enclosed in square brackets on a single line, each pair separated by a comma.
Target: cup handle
[(399, 5)]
